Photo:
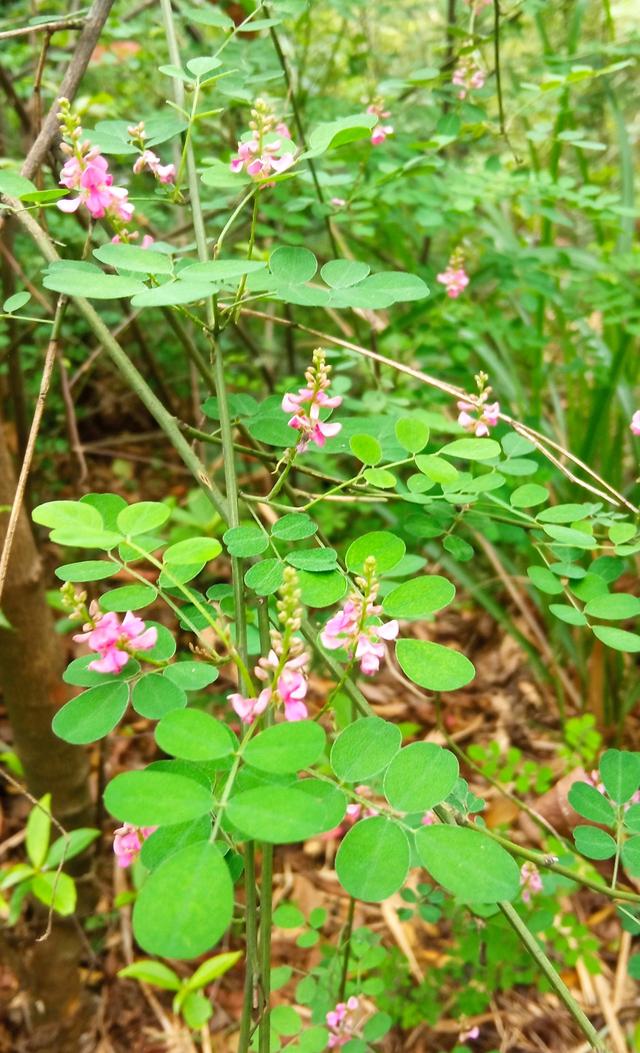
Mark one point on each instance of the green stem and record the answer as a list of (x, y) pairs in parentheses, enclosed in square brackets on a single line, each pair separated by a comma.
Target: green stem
[(251, 936), (535, 950), (347, 949), (264, 948)]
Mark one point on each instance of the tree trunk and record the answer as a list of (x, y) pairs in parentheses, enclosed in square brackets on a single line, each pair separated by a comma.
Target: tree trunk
[(31, 667)]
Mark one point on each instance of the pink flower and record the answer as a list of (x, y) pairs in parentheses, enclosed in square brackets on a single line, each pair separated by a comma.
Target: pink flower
[(259, 164), (338, 202), (456, 280), (380, 130), (635, 423), (292, 689), (530, 881), (468, 1036), (151, 161), (91, 177), (478, 419), (307, 403), (340, 1022), (127, 842), (250, 708), (350, 630), (115, 642), (466, 76), (283, 129), (428, 819)]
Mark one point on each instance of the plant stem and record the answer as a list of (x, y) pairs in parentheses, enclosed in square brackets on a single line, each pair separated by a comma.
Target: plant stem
[(347, 949), (266, 893), (559, 986), (251, 929)]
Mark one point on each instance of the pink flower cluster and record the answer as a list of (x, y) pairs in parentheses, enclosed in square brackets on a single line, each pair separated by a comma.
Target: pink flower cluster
[(115, 642), (290, 688), (260, 160), (127, 842), (352, 630), (455, 278), (149, 160), (88, 173), (478, 419), (307, 403), (380, 130), (530, 881), (340, 1022), (635, 423), (466, 77)]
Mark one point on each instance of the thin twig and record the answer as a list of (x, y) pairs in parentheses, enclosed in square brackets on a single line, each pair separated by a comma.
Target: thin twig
[(48, 27), (45, 383)]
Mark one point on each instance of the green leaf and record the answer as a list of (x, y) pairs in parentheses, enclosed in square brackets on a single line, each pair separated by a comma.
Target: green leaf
[(144, 517), (208, 16), (284, 748), (569, 513), (172, 294), (57, 890), (412, 433), (155, 695), (399, 287), (87, 570), (288, 916), (468, 864), (93, 284), (591, 804), (193, 735), (433, 666), (128, 598), (201, 66), (568, 614), (472, 449), (213, 968), (244, 541), (284, 1020), (93, 714), (365, 748), (285, 814), (366, 448), (380, 478), (72, 845), (620, 773), (196, 1009), (153, 798), (321, 589), (616, 606), (373, 859), (619, 639), (295, 526), (191, 676), (15, 185), (436, 468), (337, 133), (631, 856), (386, 548), (193, 550), (594, 843), (340, 274), (265, 577), (272, 429), (186, 904), (15, 302), (313, 559), (529, 495), (292, 265), (150, 972), (39, 831), (621, 532), (545, 580), (132, 258), (419, 597), (166, 840), (568, 536), (420, 776)]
